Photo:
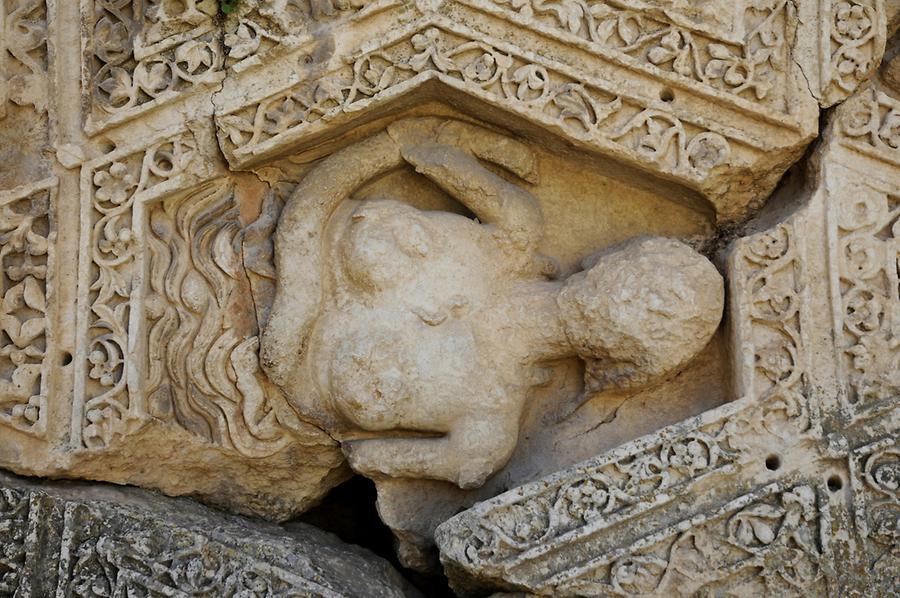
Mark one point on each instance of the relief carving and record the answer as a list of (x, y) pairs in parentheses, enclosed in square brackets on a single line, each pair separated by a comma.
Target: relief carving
[(382, 350), (754, 67), (199, 286), (108, 405), (582, 110), (27, 237), (878, 469), (23, 54), (475, 251), (14, 514), (855, 41), (87, 544)]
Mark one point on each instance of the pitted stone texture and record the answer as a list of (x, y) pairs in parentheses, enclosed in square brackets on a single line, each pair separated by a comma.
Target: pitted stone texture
[(789, 491), (649, 308), (138, 260), (70, 539), (416, 337)]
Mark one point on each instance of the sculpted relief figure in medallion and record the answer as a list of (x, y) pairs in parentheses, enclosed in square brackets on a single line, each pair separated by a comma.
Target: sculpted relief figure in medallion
[(414, 337)]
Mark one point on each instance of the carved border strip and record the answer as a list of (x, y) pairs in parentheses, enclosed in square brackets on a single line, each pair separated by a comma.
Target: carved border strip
[(108, 401), (84, 552), (27, 320), (766, 280), (579, 107), (23, 44), (865, 254), (876, 506), (674, 48), (853, 37), (696, 554), (870, 124)]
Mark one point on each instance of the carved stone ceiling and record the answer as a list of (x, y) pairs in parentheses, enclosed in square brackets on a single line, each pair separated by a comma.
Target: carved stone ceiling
[(137, 249)]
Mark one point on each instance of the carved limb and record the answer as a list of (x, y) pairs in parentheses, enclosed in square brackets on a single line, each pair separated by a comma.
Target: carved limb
[(298, 247), (513, 210), (512, 155), (467, 456), (442, 150)]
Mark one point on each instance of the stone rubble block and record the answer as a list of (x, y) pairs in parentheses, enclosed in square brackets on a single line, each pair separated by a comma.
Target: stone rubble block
[(90, 540)]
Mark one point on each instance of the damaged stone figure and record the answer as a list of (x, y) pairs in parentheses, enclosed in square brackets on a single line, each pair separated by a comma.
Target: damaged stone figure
[(414, 337), (403, 298)]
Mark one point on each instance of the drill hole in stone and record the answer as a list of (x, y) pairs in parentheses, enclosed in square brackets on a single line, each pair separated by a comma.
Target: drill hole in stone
[(66, 358), (835, 483), (773, 463), (667, 95)]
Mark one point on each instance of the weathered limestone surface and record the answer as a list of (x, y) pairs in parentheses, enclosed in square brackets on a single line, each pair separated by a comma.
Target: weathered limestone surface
[(546, 256), (790, 490), (75, 539)]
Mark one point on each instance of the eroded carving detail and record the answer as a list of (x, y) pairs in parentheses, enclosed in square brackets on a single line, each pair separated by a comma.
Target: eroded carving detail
[(14, 525), (876, 480), (27, 237), (182, 564), (106, 402), (85, 546), (23, 54), (144, 53), (362, 361), (262, 25), (754, 68)]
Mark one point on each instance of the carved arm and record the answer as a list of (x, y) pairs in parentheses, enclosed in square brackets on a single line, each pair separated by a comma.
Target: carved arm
[(298, 247)]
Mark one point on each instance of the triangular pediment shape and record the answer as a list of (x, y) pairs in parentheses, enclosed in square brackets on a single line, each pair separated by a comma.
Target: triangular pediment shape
[(588, 111), (700, 96)]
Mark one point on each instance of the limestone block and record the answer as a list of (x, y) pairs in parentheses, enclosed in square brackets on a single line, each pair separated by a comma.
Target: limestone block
[(459, 246), (789, 490), (75, 539)]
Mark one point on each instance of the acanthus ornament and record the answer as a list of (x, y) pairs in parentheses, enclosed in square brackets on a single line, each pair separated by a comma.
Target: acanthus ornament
[(27, 254), (767, 278), (142, 56), (23, 54), (754, 68), (609, 489), (778, 535), (581, 110), (768, 542), (866, 238), (114, 242)]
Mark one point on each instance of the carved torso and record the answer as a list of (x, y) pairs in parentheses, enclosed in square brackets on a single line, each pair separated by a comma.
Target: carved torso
[(400, 344)]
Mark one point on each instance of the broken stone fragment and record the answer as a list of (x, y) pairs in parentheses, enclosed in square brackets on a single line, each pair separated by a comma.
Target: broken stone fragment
[(75, 539)]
